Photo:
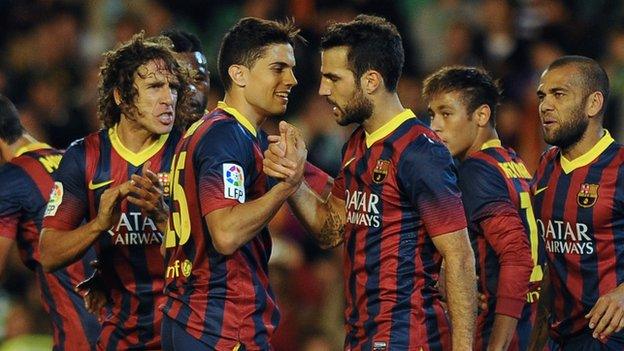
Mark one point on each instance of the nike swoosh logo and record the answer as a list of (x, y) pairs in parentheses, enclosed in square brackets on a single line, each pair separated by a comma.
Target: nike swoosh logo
[(93, 186), (540, 190), (348, 162)]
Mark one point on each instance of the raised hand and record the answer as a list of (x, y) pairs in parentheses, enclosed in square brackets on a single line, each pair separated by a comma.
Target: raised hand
[(109, 210), (286, 155), (146, 192)]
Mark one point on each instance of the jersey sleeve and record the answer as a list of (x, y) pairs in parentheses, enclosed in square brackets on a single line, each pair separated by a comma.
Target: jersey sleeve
[(224, 159), (490, 208), (13, 193), (320, 182), (338, 188), (428, 177), (67, 206)]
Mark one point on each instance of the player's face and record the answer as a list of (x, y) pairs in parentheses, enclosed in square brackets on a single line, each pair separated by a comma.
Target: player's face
[(561, 106), (270, 80), (453, 122), (200, 82), (341, 89), (157, 96)]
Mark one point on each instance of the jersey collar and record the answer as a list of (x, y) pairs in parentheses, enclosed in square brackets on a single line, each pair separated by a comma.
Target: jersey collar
[(136, 159), (491, 143), (31, 147), (239, 117), (585, 159), (389, 127)]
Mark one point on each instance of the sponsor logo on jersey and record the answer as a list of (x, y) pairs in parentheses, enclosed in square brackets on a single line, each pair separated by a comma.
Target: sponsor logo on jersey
[(174, 270), (381, 171), (587, 195), (93, 186), (565, 237), (135, 229), (56, 198), (233, 182), (362, 208)]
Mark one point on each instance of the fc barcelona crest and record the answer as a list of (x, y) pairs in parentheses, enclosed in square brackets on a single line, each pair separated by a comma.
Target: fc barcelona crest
[(381, 171), (588, 195), (164, 180)]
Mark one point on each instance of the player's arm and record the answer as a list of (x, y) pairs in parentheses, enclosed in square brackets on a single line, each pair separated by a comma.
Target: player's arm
[(428, 178), (232, 226), (323, 218), (488, 206), (539, 334), (59, 248), (505, 233), (460, 285)]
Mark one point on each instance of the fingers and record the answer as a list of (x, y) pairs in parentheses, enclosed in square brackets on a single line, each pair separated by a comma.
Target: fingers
[(595, 314), (275, 170)]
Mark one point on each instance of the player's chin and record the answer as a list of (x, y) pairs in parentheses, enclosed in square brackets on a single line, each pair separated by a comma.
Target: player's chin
[(162, 128)]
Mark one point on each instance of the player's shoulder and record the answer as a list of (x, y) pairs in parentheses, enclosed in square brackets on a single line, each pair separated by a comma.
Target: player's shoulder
[(479, 163), (12, 179)]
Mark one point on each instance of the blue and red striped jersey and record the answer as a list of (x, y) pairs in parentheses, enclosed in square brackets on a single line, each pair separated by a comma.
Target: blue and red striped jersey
[(224, 301), (579, 206), (496, 195), (129, 253), (25, 184), (399, 186)]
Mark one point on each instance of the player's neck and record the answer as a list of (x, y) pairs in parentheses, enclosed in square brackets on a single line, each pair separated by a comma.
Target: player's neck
[(133, 136), (9, 151), (240, 103), (590, 138), (483, 135), (383, 112)]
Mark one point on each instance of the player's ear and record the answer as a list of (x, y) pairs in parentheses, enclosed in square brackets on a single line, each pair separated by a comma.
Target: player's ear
[(370, 81), (482, 115), (594, 103), (238, 74), (117, 96)]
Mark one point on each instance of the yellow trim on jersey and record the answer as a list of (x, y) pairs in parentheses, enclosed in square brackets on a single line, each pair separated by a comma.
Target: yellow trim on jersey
[(389, 127), (239, 117), (136, 159), (31, 147), (585, 159), (491, 143)]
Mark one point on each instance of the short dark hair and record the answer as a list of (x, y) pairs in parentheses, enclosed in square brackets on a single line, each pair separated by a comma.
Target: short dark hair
[(183, 41), (245, 43), (373, 42), (592, 76), (117, 72), (10, 127), (475, 85)]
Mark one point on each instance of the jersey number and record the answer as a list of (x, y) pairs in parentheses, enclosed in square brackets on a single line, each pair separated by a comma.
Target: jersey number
[(179, 229), (525, 204)]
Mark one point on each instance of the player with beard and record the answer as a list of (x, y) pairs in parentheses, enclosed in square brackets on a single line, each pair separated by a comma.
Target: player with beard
[(218, 245), (395, 203), (107, 196), (579, 205), (188, 51)]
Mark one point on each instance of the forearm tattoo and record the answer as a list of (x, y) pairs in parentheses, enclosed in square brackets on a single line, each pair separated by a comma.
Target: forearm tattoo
[(332, 231)]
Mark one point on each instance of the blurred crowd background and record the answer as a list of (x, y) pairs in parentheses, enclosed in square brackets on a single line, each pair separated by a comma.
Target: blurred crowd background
[(52, 49)]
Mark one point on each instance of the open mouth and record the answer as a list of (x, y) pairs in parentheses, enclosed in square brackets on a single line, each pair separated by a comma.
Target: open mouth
[(166, 118)]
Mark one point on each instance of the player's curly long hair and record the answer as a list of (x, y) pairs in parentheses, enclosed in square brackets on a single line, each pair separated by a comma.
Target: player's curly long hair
[(117, 72)]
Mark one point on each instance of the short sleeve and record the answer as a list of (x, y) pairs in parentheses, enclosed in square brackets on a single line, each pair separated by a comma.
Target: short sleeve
[(338, 189), (428, 177), (224, 161), (67, 206)]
